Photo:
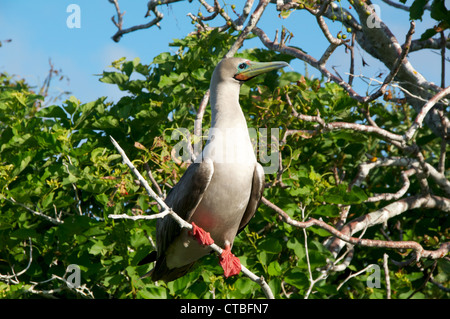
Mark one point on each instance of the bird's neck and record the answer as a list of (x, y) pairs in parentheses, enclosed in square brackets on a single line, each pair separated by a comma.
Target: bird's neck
[(228, 138), (225, 109)]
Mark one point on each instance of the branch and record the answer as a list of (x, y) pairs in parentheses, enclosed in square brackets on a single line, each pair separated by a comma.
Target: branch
[(345, 125), (377, 217), (254, 18), (198, 126), (353, 275), (382, 215), (438, 177), (399, 194), (386, 276), (82, 290), (168, 211), (274, 46), (402, 6), (431, 43)]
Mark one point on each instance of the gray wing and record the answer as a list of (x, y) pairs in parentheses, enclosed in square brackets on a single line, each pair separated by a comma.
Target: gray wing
[(183, 198), (255, 196)]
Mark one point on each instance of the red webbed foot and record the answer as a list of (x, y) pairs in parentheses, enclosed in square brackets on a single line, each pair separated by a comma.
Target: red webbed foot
[(202, 236), (230, 263)]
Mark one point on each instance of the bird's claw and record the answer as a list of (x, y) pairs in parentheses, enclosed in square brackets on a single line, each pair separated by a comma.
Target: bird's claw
[(230, 263), (202, 236)]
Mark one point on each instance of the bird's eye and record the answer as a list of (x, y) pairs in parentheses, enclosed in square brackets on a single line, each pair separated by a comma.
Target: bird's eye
[(243, 66)]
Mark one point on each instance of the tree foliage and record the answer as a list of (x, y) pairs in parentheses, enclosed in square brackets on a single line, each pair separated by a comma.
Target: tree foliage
[(60, 179)]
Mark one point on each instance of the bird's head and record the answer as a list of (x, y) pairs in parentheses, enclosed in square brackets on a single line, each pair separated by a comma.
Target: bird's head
[(241, 70)]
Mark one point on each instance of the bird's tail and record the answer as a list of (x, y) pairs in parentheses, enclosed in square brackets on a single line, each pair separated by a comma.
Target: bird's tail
[(161, 271)]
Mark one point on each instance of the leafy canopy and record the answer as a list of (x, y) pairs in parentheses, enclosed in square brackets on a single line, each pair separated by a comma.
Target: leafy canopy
[(60, 178)]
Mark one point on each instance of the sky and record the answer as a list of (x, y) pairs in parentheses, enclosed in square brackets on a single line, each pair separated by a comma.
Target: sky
[(39, 33)]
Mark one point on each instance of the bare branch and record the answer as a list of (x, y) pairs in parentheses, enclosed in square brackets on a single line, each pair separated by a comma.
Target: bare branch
[(402, 191), (382, 215), (354, 275), (397, 64), (50, 219), (374, 218), (443, 42), (347, 126), (431, 43), (308, 59), (151, 6), (13, 278), (198, 125), (424, 111), (386, 276), (402, 6)]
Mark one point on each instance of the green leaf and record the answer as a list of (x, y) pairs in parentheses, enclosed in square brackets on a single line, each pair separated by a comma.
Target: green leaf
[(319, 231), (21, 161), (244, 285), (326, 210), (428, 33), (97, 248), (297, 247), (417, 9)]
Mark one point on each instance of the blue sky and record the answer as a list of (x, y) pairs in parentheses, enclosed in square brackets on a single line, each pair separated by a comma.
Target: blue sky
[(39, 32)]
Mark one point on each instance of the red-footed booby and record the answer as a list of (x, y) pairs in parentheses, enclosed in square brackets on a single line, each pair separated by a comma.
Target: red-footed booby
[(220, 193)]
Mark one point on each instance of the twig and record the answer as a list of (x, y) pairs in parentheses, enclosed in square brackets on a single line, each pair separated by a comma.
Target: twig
[(119, 22), (82, 290), (198, 126), (152, 7), (166, 210), (443, 42), (311, 280), (152, 179), (254, 18), (352, 59), (394, 196), (423, 112), (386, 276), (9, 278), (271, 45), (50, 219), (353, 275), (345, 125)]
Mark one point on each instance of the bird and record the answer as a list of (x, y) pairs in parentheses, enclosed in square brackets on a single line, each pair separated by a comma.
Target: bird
[(221, 190)]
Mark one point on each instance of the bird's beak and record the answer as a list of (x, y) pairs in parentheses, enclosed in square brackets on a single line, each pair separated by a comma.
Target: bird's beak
[(257, 68)]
